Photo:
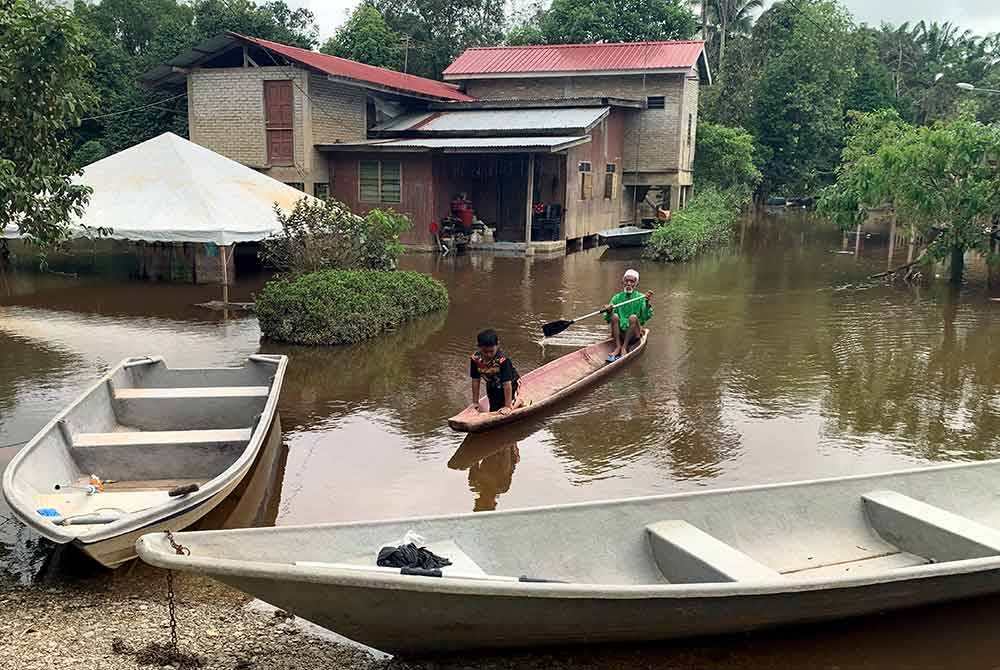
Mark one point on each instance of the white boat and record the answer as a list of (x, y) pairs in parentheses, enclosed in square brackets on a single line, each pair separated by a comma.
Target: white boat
[(641, 569), (626, 236), (147, 448)]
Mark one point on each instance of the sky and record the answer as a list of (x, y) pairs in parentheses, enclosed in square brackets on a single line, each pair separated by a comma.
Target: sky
[(980, 16)]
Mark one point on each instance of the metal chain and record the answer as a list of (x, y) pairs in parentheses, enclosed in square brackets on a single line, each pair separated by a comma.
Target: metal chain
[(181, 550), (172, 608)]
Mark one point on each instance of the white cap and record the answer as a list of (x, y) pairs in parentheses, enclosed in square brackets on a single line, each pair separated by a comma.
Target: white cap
[(631, 274)]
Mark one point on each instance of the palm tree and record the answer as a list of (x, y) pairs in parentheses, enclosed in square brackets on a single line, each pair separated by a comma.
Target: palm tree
[(726, 18)]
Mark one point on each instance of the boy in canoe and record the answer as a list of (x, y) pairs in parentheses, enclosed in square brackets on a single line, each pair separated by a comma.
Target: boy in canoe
[(627, 320), (490, 363)]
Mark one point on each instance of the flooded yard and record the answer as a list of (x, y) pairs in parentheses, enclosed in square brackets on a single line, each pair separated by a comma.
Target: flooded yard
[(774, 360)]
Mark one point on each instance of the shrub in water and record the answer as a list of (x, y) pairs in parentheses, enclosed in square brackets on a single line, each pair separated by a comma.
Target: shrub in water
[(707, 221), (344, 306)]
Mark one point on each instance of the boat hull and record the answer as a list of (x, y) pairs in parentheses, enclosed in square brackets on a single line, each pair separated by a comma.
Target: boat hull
[(550, 384), (420, 623), (631, 237)]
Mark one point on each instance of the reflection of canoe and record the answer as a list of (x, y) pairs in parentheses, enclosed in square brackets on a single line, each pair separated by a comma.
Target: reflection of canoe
[(550, 383), (626, 236), (149, 431), (660, 567)]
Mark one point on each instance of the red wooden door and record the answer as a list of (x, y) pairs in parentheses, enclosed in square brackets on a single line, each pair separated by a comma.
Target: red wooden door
[(278, 114)]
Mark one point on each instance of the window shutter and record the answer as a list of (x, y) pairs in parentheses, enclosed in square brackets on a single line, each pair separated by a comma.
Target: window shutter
[(368, 181)]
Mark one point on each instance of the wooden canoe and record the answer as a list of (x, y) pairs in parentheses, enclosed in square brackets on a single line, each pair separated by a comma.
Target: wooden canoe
[(652, 568), (549, 384), (626, 236), (146, 430)]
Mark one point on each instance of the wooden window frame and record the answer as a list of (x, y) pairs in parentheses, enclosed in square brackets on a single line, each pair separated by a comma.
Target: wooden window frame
[(586, 172), (380, 182), (610, 181)]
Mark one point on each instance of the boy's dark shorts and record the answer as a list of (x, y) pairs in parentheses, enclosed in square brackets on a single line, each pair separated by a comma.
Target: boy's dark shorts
[(495, 395)]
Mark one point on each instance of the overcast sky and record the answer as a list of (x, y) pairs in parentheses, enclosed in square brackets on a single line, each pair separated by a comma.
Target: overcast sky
[(980, 16)]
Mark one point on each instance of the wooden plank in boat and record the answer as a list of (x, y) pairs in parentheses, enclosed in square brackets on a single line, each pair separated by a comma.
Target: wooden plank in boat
[(192, 392), (154, 437), (687, 554), (150, 484)]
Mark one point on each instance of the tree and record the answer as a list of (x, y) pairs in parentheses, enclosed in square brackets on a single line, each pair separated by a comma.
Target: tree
[(872, 86), (725, 158), (367, 38), (435, 32), (588, 21), (799, 100), (942, 179), (42, 93), (727, 18)]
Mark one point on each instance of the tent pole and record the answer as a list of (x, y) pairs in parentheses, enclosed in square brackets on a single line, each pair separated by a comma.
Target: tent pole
[(225, 276)]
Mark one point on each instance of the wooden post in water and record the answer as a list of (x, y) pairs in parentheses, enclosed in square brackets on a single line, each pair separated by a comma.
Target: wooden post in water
[(913, 240), (857, 241), (529, 208), (892, 242), (225, 276)]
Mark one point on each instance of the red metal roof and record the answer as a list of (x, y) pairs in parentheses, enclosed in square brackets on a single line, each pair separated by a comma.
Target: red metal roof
[(349, 69), (576, 58)]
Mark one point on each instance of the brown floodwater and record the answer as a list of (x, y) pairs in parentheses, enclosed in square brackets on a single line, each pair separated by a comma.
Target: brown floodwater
[(773, 360)]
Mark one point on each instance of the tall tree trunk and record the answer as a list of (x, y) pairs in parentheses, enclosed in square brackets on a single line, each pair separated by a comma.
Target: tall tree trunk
[(957, 264), (704, 20), (723, 29)]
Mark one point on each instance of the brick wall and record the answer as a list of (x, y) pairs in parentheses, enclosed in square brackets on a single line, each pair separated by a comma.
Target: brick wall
[(588, 217), (653, 137), (226, 114)]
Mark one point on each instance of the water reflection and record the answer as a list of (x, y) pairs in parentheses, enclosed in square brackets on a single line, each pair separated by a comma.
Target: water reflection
[(491, 468)]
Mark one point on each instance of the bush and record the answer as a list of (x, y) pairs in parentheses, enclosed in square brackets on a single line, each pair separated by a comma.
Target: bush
[(344, 306), (707, 221), (318, 235)]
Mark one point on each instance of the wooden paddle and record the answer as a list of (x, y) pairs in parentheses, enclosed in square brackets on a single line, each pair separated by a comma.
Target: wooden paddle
[(556, 327)]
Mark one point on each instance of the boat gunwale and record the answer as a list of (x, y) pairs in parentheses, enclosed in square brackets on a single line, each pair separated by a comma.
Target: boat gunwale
[(152, 551), (566, 391), (171, 508)]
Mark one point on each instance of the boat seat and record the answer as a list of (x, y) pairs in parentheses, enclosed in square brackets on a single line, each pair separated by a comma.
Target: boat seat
[(154, 438), (191, 392), (685, 554), (925, 530), (164, 454)]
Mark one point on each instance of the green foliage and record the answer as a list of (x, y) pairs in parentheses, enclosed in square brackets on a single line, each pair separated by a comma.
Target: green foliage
[(367, 38), (524, 35), (439, 30), (42, 95), (725, 158), (344, 306), (800, 99), (586, 21), (942, 179), (318, 235), (725, 20), (90, 152), (707, 221)]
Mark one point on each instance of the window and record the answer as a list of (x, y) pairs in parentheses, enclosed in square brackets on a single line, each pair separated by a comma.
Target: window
[(379, 181), (297, 184), (321, 190), (278, 122), (690, 125), (610, 181), (586, 181), (656, 102)]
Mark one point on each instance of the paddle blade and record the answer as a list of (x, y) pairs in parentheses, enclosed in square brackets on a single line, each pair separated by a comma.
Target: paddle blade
[(555, 327)]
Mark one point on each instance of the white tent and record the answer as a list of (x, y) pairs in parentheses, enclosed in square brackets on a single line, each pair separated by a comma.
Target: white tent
[(168, 189)]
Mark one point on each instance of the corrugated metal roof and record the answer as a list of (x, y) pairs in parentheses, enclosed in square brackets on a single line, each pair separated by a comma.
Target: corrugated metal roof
[(576, 58), (332, 65), (341, 67), (497, 119), (462, 144)]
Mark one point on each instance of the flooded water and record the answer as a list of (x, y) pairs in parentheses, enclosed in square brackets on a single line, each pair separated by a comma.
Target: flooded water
[(774, 360)]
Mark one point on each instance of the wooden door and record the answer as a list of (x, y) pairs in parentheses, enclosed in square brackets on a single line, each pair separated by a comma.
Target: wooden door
[(279, 117)]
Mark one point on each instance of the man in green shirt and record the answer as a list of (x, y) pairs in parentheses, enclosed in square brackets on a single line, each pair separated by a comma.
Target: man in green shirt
[(627, 320)]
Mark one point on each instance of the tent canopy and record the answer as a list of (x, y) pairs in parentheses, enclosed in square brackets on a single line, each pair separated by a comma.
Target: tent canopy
[(168, 189)]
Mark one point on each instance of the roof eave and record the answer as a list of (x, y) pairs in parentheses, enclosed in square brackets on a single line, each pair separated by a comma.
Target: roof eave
[(385, 89), (384, 146), (464, 76)]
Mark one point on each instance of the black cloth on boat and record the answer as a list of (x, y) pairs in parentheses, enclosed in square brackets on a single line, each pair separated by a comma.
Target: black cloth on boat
[(410, 556)]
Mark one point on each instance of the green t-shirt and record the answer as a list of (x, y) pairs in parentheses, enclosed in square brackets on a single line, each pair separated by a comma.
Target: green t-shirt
[(640, 308)]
